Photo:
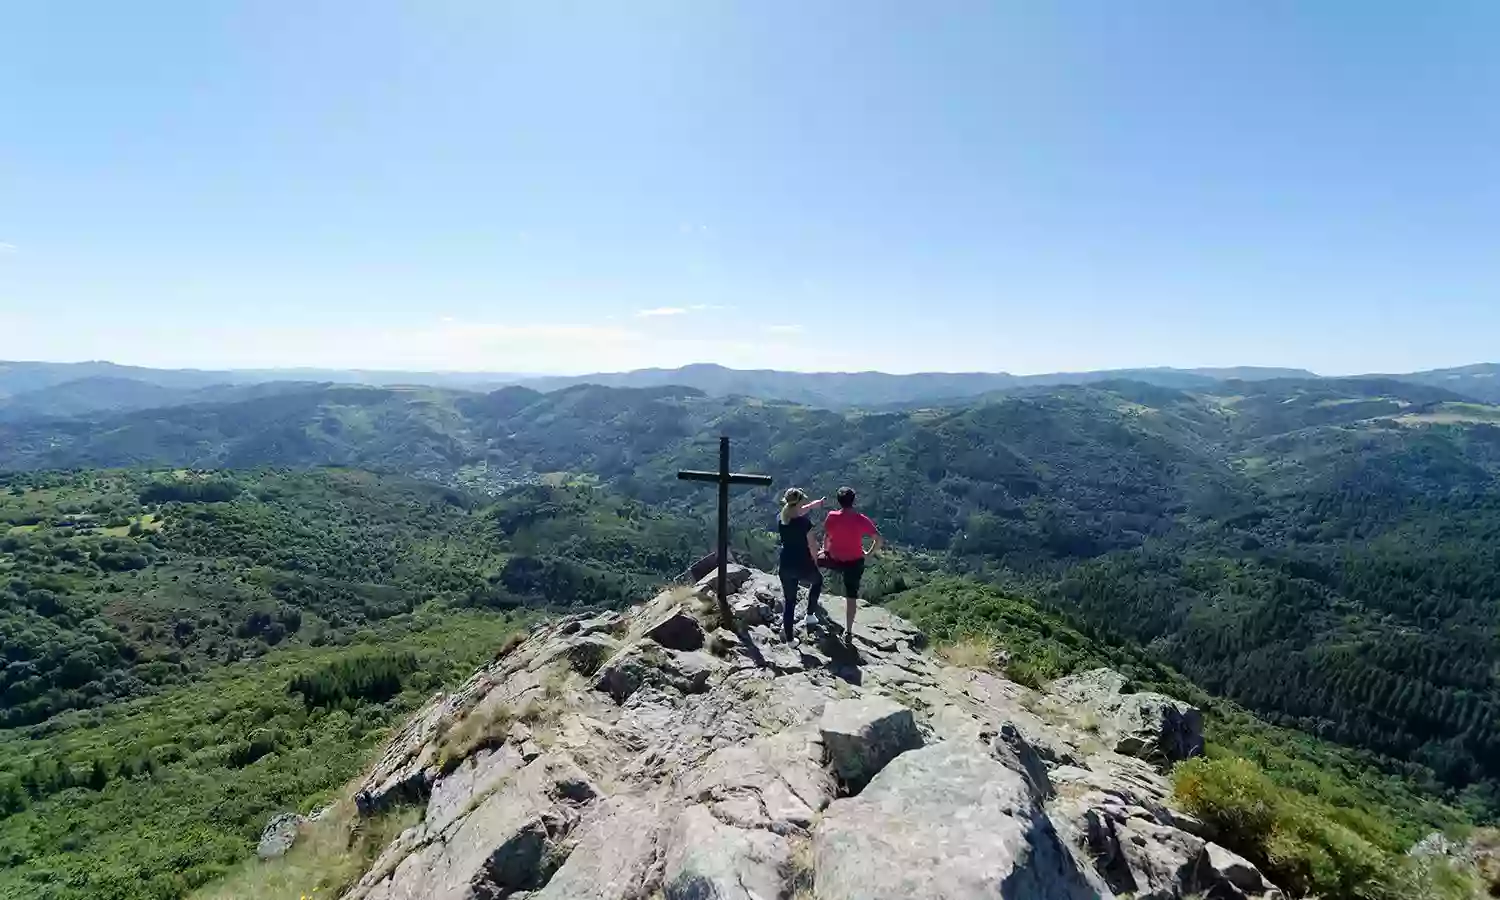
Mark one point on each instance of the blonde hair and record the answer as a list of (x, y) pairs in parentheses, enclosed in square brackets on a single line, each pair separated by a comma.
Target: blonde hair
[(790, 502)]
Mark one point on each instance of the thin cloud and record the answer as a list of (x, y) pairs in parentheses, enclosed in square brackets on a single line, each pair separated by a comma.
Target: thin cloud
[(678, 310), (784, 329), (7, 248), (498, 333)]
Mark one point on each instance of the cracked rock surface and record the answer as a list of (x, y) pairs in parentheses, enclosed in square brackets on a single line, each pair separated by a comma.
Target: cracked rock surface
[(652, 755)]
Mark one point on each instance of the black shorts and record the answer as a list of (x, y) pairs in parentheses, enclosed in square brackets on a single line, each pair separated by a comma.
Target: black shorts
[(853, 570)]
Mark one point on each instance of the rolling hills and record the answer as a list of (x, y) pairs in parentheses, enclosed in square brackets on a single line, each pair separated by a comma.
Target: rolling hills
[(39, 390), (1323, 551)]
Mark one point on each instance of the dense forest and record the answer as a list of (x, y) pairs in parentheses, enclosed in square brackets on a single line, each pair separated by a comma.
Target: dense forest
[(118, 583)]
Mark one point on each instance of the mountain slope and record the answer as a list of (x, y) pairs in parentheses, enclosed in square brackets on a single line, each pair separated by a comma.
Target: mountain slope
[(1480, 382)]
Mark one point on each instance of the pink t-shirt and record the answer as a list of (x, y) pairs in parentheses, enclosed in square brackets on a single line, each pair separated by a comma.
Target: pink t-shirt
[(846, 533)]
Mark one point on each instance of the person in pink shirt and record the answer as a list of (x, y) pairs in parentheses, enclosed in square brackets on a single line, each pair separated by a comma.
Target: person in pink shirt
[(844, 533)]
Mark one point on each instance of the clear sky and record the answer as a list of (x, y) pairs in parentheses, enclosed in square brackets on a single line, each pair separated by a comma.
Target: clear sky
[(567, 187)]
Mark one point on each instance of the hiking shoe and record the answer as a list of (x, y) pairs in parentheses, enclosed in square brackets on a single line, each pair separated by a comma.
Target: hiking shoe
[(809, 621)]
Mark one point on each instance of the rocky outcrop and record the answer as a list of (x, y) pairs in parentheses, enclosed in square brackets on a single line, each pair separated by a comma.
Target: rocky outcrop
[(653, 755), (1146, 725), (944, 821)]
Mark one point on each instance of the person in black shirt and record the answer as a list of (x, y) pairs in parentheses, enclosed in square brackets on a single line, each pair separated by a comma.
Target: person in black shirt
[(799, 558)]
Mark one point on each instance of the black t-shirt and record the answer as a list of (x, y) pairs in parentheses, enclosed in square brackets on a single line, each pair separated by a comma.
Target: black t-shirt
[(794, 540)]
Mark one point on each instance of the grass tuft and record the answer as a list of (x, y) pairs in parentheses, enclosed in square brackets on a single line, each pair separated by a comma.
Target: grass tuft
[(974, 651), (329, 856)]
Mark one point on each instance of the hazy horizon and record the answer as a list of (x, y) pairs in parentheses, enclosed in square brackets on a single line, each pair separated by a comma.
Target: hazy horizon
[(497, 373), (530, 187)]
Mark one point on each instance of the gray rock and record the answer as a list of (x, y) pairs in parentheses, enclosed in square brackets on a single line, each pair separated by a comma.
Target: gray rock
[(587, 652), (945, 822), (609, 622), (736, 575), (647, 662), (279, 835), (511, 840), (1226, 866), (750, 609), (1162, 861), (624, 673), (862, 735), (1158, 728), (675, 629), (709, 860), (704, 771), (473, 779), (615, 850), (1089, 688), (1011, 748), (1146, 725), (775, 782)]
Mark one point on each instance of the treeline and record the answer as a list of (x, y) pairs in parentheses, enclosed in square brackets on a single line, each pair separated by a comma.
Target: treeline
[(348, 681)]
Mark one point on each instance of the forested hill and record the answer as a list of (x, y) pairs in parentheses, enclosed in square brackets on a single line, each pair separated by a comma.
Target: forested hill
[(1323, 551)]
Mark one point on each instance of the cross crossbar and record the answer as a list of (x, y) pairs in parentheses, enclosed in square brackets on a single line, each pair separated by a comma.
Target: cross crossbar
[(734, 477)]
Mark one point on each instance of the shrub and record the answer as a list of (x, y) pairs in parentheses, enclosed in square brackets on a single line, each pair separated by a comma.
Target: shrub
[(1293, 837)]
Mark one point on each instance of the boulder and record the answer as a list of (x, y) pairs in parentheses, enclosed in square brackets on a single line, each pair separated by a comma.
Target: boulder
[(1145, 725), (709, 860), (608, 622), (775, 782), (676, 630), (862, 735), (1012, 749), (647, 662), (1158, 728), (623, 674), (279, 836), (1089, 688), (735, 575), (944, 822), (751, 610), (1162, 861), (1224, 866)]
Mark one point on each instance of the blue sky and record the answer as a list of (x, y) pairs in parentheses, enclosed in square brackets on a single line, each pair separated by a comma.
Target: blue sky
[(569, 187)]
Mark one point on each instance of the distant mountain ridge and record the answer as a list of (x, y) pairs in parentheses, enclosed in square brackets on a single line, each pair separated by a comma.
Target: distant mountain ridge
[(39, 390)]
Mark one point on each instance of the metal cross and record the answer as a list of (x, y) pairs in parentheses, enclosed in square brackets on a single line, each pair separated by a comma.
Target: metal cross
[(724, 478)]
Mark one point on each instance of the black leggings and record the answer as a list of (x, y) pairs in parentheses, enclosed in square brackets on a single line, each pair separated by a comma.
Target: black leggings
[(790, 577)]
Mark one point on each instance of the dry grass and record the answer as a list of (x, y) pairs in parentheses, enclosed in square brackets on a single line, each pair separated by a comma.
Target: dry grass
[(514, 640), (483, 728), (330, 855), (975, 651), (804, 870)]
